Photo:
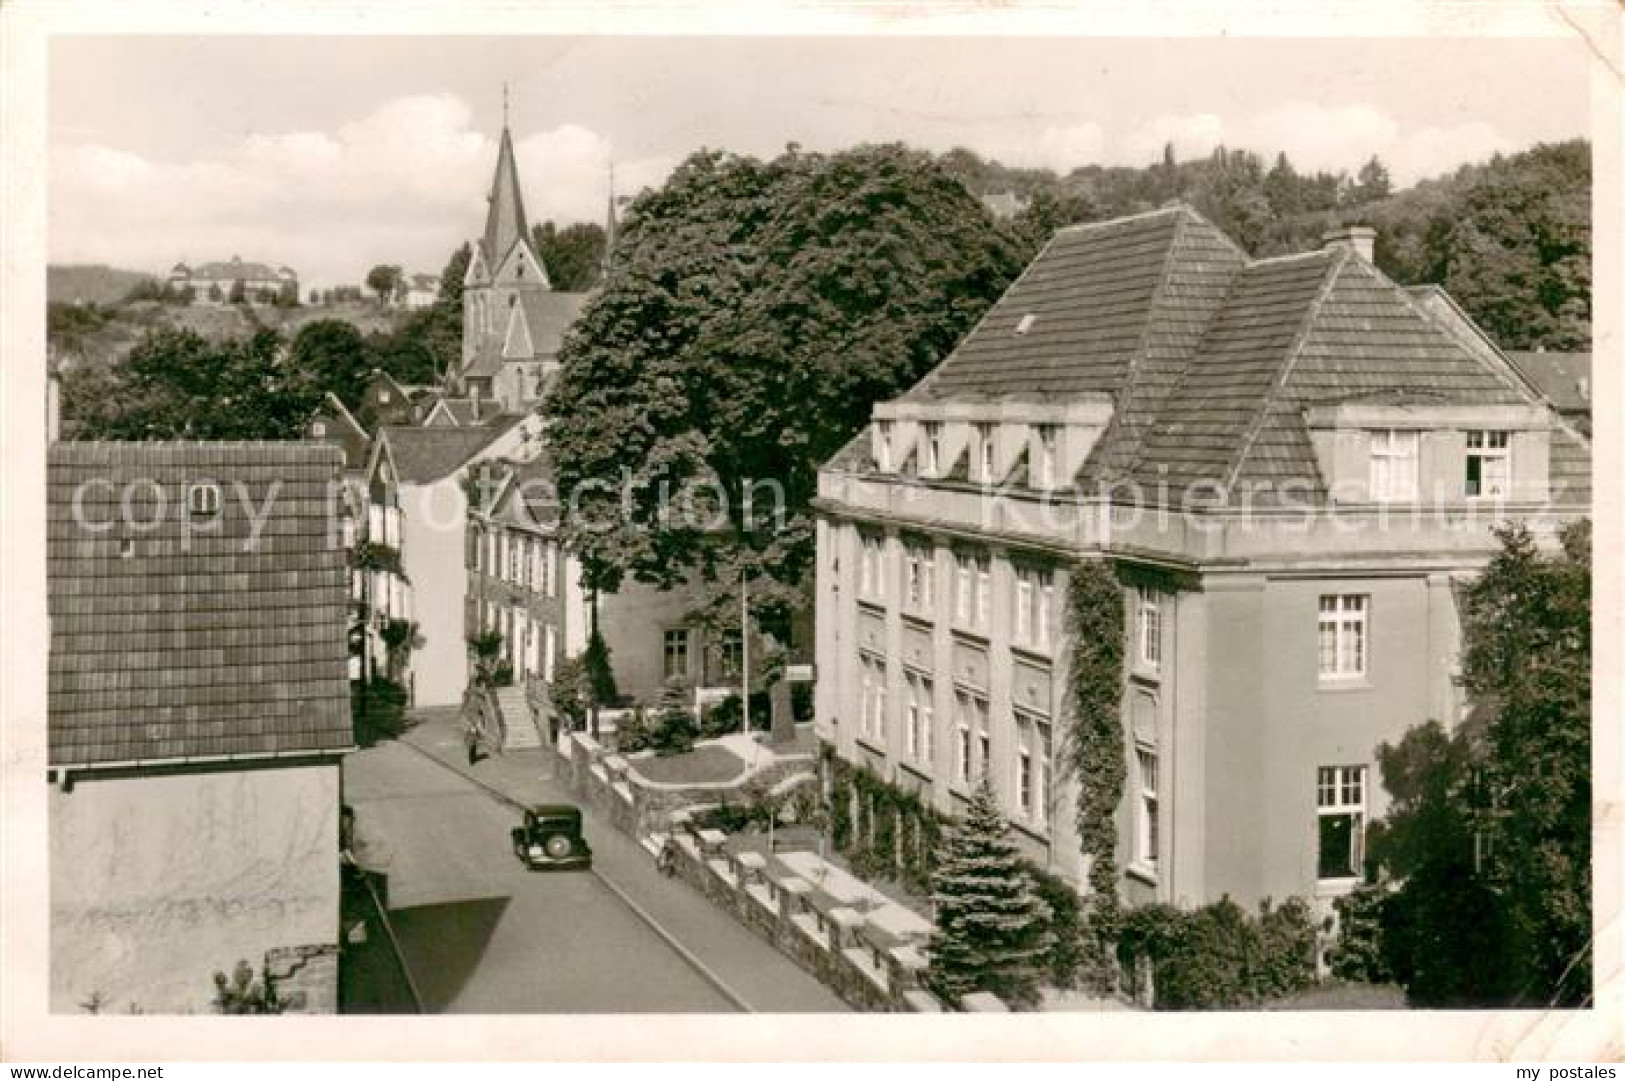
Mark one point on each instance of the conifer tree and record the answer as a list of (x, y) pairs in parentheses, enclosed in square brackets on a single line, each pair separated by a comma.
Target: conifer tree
[(992, 927)]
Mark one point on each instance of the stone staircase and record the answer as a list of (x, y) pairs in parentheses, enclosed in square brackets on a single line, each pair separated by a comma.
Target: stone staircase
[(518, 723)]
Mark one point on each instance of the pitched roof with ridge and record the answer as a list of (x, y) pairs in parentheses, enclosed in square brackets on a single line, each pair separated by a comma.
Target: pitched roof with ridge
[(1211, 357), (505, 217), (425, 455), (1563, 378), (176, 637)]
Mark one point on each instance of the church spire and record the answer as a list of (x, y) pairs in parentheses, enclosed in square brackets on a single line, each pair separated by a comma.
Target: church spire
[(609, 227), (505, 217)]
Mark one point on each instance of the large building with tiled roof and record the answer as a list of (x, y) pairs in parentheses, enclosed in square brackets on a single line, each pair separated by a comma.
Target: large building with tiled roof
[(513, 320), (1290, 465), (197, 601), (234, 279)]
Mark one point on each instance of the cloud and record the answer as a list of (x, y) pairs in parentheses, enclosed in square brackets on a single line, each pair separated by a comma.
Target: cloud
[(405, 184)]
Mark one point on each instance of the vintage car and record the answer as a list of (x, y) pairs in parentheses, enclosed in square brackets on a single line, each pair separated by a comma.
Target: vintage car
[(551, 839)]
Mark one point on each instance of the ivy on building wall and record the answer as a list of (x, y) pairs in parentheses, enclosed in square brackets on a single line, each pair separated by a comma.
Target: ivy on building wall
[(1095, 693), (883, 830)]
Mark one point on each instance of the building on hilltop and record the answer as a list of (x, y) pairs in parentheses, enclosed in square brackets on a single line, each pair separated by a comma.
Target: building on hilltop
[(229, 282), (198, 711), (1288, 465)]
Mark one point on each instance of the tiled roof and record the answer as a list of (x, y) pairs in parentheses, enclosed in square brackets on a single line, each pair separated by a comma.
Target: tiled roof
[(1088, 303), (548, 315), (1212, 359), (1564, 379), (343, 431), (197, 643), (1299, 331), (235, 269), (425, 455)]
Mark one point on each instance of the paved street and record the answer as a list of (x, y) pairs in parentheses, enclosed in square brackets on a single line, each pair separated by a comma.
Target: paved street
[(481, 934)]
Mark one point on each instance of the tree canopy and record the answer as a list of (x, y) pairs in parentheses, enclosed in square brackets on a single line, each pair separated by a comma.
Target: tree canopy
[(176, 384), (573, 256), (1489, 831), (758, 309)]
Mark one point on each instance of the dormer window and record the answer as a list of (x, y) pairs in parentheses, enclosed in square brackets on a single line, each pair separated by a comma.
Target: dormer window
[(883, 446), (932, 450), (1394, 462), (318, 429), (1489, 465), (984, 453), (383, 396), (1026, 323), (1046, 456), (203, 499)]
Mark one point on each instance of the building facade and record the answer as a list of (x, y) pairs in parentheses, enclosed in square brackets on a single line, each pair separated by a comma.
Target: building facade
[(1288, 465), (234, 280), (199, 707), (414, 571)]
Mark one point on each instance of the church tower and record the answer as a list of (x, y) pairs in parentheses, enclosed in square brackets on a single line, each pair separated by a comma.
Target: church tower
[(507, 300)]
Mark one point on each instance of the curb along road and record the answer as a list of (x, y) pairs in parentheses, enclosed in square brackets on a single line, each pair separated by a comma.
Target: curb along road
[(688, 956)]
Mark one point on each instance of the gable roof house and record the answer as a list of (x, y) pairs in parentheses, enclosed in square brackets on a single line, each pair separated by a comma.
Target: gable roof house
[(1287, 464), (197, 677), (416, 513)]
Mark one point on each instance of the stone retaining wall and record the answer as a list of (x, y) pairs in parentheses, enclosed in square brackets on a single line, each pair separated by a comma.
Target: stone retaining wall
[(866, 968)]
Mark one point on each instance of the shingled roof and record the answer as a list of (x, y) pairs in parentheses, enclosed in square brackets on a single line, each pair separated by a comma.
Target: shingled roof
[(425, 455), (1212, 358), (195, 637), (547, 316)]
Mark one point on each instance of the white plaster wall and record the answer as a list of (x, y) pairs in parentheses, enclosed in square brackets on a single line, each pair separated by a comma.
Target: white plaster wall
[(157, 882)]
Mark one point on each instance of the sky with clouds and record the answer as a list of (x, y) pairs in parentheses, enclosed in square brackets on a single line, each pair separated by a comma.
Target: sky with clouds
[(332, 154)]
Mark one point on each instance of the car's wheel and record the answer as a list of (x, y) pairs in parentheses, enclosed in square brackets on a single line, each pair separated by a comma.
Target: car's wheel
[(558, 846)]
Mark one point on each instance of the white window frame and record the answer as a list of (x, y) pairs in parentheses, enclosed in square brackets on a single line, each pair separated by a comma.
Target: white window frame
[(931, 448), (985, 448), (883, 438), (1025, 778), (1147, 831), (1486, 445), (1342, 791), (1035, 599), (1048, 438), (1150, 635), (872, 567), (677, 641), (1395, 464), (1347, 617), (962, 740)]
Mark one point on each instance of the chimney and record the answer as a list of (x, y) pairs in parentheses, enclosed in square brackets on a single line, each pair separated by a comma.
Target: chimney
[(1359, 239)]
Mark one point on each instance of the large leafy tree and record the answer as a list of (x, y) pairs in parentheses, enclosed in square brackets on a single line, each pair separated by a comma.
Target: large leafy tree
[(573, 256), (331, 355), (757, 311), (176, 384), (1490, 828), (992, 928), (1516, 251)]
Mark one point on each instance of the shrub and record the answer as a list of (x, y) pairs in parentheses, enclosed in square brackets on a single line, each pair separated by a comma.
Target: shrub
[(1065, 959), (600, 674), (378, 710), (721, 718), (1217, 956), (673, 732), (632, 732), (1357, 953), (243, 993)]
